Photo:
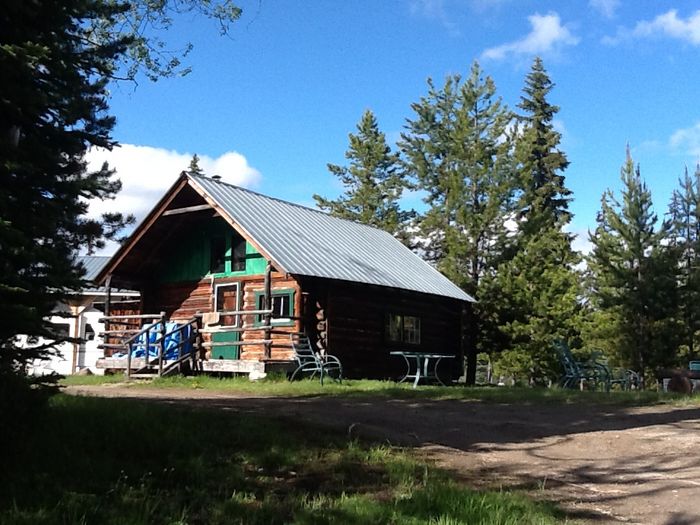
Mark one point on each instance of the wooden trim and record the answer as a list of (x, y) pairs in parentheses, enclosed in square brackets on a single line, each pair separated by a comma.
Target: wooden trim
[(142, 228), (238, 287), (186, 209), (108, 298), (76, 344), (267, 318)]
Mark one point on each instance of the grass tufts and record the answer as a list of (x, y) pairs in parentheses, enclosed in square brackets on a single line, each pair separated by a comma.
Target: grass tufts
[(278, 386), (112, 461)]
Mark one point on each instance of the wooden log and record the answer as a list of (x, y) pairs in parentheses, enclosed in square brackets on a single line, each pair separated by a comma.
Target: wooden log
[(267, 317), (210, 344), (233, 365), (120, 363), (131, 316), (186, 209), (161, 344)]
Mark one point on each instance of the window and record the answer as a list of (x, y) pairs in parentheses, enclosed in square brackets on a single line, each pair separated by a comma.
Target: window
[(89, 333), (282, 306), (61, 329), (238, 245), (403, 329), (217, 255)]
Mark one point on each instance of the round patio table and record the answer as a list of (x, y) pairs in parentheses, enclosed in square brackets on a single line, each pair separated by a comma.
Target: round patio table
[(421, 366)]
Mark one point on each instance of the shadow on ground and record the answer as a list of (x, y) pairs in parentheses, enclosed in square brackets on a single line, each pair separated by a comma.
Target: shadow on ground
[(601, 463)]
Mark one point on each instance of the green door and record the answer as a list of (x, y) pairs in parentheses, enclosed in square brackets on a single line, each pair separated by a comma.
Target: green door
[(228, 351), (226, 300)]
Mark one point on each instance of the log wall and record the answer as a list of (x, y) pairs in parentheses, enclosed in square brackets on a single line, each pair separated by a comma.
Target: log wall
[(355, 330), (183, 300)]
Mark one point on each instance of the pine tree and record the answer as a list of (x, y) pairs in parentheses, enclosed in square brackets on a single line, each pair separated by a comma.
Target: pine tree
[(633, 274), (684, 211), (56, 60), (373, 181), (53, 103), (458, 149), (545, 199), (538, 281), (194, 168)]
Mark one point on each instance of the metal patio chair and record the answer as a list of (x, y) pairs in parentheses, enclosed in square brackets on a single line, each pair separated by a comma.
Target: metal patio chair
[(625, 378), (576, 373), (311, 362)]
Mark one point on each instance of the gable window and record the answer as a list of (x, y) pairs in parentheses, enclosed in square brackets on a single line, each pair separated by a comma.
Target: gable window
[(217, 255), (403, 329), (282, 306), (238, 246)]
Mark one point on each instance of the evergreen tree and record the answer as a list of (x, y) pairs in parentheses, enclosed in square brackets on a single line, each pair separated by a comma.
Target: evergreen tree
[(458, 149), (194, 168), (545, 199), (373, 181), (52, 101), (538, 281), (56, 60), (632, 273), (684, 211)]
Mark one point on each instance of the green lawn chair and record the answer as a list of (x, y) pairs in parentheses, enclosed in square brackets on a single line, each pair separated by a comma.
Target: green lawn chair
[(625, 378), (310, 362), (577, 373)]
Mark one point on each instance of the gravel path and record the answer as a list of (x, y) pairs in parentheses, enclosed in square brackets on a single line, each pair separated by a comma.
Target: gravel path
[(602, 464)]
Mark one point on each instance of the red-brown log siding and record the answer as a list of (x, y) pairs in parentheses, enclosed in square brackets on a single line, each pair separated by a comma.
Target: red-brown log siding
[(183, 300)]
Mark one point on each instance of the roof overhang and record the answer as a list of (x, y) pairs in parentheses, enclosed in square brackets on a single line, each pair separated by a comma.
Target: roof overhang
[(176, 205)]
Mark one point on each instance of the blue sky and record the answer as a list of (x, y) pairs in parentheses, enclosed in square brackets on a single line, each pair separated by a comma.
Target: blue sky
[(271, 105)]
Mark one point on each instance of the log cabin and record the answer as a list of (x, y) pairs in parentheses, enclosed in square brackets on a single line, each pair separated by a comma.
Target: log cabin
[(244, 270)]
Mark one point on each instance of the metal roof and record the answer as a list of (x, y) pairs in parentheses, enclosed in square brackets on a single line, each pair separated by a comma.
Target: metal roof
[(93, 264), (309, 242)]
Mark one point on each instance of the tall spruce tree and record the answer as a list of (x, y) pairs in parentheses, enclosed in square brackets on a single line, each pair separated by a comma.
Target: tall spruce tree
[(633, 274), (373, 181), (537, 281), (458, 149), (684, 212), (545, 198)]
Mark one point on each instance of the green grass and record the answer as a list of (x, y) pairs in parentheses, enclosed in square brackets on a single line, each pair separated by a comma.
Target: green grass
[(92, 380), (279, 386), (110, 461)]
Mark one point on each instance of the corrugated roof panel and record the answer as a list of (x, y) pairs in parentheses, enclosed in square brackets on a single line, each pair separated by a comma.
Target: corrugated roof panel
[(310, 242), (93, 264)]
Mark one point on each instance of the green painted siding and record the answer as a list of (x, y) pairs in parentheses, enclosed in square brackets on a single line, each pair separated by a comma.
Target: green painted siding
[(187, 259)]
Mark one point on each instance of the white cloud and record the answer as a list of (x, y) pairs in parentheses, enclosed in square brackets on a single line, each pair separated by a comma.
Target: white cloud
[(668, 24), (484, 5), (581, 242), (606, 8), (547, 35), (434, 10), (687, 140), (146, 173)]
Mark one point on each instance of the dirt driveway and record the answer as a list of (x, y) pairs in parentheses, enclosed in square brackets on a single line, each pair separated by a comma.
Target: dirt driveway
[(603, 464)]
